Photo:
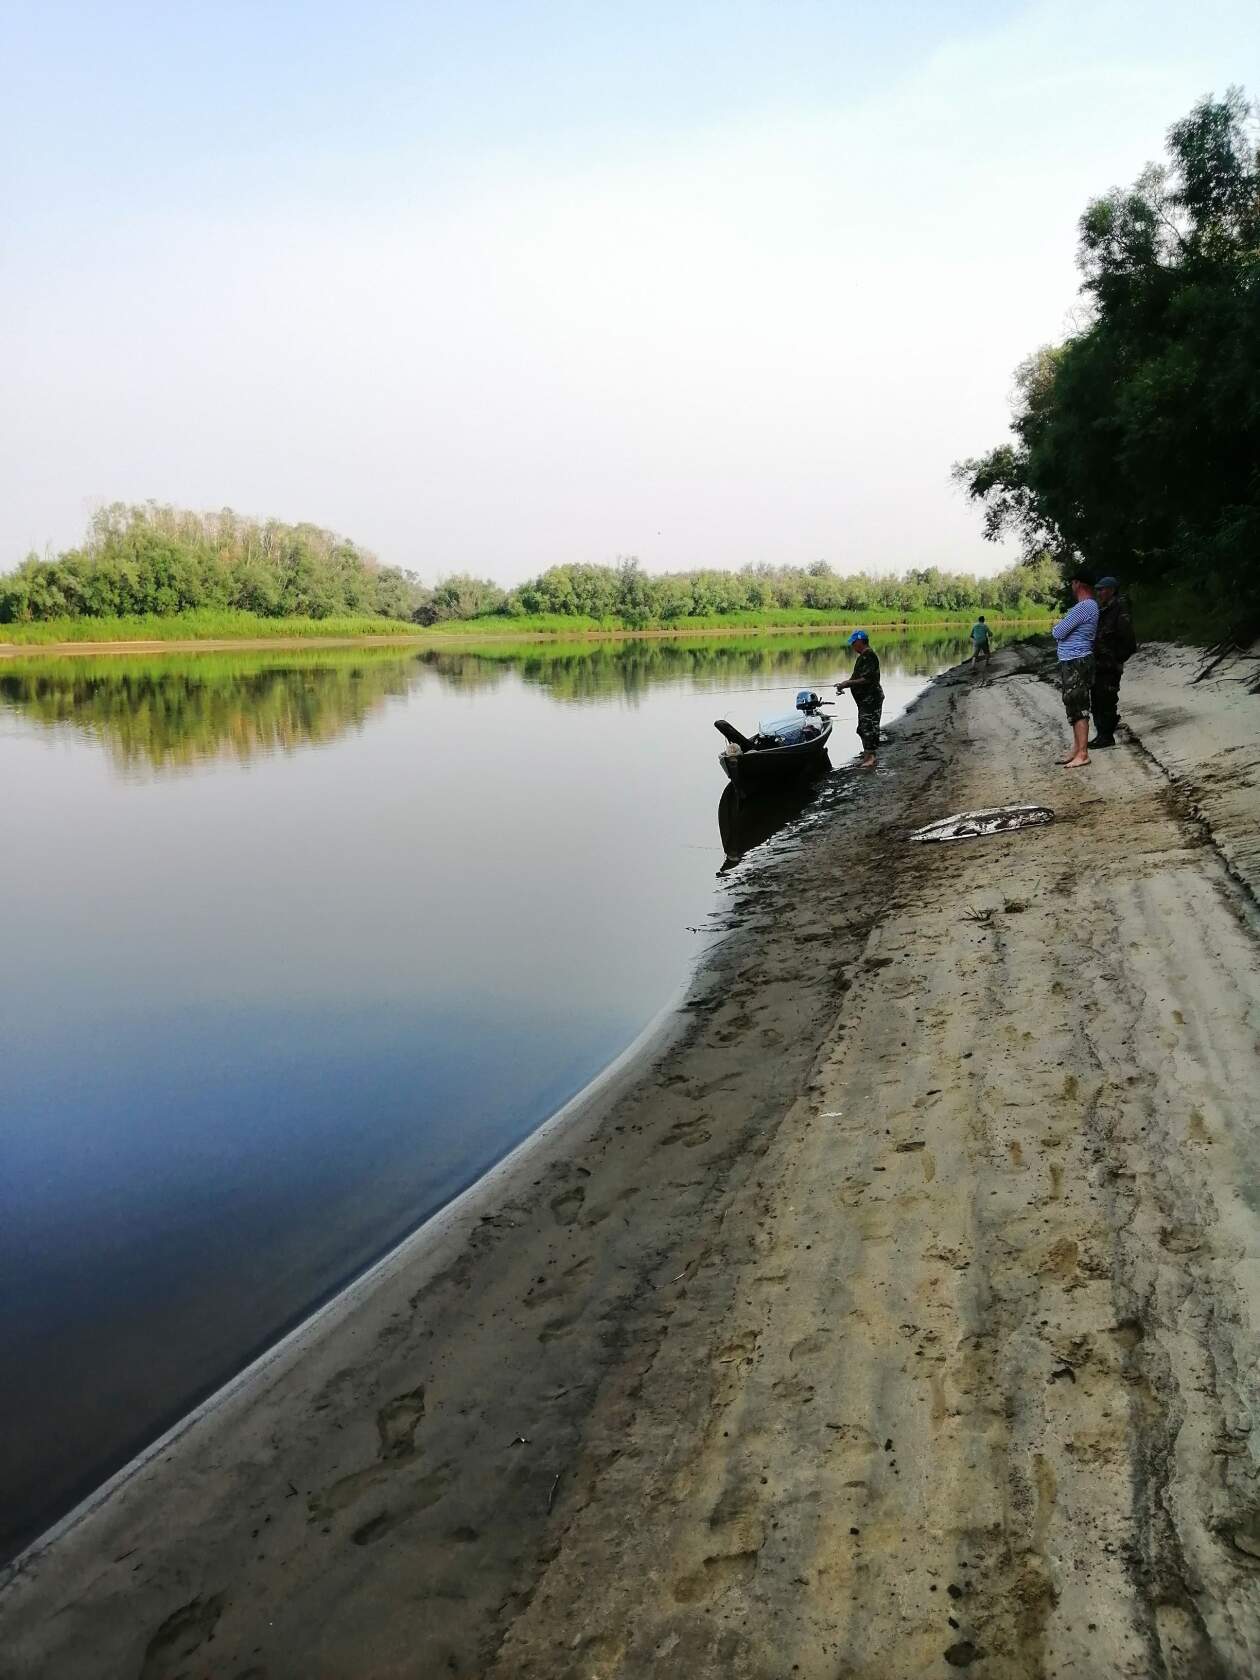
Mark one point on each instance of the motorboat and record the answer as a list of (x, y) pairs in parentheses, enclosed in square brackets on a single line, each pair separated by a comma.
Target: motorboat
[(782, 749)]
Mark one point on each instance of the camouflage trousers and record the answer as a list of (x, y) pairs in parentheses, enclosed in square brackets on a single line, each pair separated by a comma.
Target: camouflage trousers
[(1106, 701), (1075, 678), (869, 711)]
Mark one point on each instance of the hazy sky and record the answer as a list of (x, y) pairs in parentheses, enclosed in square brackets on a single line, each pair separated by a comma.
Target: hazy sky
[(491, 286)]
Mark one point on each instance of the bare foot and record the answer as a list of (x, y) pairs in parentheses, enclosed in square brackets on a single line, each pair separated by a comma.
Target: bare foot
[(1075, 762), (868, 763)]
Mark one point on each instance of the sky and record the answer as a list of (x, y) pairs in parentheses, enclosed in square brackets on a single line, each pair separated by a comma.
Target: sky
[(490, 287)]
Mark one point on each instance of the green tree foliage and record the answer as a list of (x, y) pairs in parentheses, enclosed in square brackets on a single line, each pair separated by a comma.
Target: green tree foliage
[(1137, 441), (461, 596), (155, 560), (162, 560), (627, 594)]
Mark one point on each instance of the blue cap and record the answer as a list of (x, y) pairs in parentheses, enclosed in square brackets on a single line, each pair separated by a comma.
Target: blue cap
[(1107, 583), (858, 636)]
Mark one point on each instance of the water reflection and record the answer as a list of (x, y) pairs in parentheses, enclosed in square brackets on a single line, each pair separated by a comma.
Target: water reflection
[(168, 712), (746, 823), (265, 1008), (599, 670)]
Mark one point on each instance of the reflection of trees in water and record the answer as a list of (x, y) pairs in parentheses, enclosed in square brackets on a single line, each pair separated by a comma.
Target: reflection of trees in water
[(597, 670), (165, 712)]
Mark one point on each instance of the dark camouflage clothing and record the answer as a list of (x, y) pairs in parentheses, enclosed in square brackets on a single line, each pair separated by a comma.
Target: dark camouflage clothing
[(1105, 698), (1114, 643), (1076, 677), (869, 697)]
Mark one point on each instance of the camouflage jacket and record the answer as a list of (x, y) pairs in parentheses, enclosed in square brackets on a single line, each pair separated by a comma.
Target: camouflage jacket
[(866, 673), (1114, 641)]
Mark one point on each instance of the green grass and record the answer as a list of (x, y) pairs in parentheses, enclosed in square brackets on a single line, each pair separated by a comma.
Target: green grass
[(205, 624), (768, 618), (210, 624)]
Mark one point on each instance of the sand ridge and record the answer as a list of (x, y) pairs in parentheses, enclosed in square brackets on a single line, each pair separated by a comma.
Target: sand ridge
[(899, 1318)]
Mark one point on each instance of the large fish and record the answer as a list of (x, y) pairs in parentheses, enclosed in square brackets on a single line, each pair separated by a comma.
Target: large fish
[(970, 825)]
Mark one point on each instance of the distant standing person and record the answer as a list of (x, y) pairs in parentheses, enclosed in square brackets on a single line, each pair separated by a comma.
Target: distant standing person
[(1075, 634), (865, 686), (1114, 643), (980, 648)]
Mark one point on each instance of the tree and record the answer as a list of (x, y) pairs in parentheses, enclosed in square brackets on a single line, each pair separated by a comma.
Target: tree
[(165, 560), (1137, 441)]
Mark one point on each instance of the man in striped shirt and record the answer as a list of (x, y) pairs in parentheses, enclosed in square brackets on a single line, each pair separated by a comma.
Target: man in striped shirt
[(1075, 634)]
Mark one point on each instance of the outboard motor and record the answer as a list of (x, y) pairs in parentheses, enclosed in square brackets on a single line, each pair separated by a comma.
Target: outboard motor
[(808, 702)]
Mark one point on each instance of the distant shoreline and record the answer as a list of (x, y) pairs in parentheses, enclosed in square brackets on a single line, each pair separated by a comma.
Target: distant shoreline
[(431, 637)]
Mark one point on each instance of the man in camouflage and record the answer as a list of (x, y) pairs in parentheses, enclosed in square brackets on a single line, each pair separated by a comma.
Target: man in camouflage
[(868, 694), (1114, 642)]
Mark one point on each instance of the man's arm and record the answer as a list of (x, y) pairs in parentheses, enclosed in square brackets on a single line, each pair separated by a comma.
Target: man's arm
[(1069, 621)]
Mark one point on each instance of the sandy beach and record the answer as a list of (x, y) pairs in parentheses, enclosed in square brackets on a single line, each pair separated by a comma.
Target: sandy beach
[(895, 1311)]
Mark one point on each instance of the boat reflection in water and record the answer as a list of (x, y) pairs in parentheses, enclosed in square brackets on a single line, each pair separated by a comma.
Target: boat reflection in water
[(744, 824)]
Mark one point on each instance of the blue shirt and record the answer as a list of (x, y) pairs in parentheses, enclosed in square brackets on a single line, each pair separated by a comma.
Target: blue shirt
[(979, 632), (1075, 631)]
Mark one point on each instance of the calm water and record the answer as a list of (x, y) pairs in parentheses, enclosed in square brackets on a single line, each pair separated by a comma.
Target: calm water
[(296, 945)]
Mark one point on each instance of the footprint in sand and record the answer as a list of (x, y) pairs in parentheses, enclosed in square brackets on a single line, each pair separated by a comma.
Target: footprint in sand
[(180, 1637), (690, 1133), (568, 1204), (427, 1491), (809, 1345), (559, 1287), (739, 1347), (555, 1328), (396, 1425), (715, 1575), (793, 1389)]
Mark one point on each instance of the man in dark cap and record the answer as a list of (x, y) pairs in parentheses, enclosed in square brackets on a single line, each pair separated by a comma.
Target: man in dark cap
[(868, 692), (1114, 642)]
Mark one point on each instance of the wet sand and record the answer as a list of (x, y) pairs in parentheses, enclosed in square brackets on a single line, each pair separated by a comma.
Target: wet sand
[(896, 1312)]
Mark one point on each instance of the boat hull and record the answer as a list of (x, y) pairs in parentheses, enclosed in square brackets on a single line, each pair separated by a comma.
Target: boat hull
[(770, 767)]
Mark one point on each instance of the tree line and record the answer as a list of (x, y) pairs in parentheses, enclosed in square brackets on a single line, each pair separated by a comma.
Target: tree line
[(164, 560), (161, 560), (1136, 446), (627, 593)]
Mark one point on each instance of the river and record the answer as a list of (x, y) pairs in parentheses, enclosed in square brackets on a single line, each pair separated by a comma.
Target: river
[(297, 944)]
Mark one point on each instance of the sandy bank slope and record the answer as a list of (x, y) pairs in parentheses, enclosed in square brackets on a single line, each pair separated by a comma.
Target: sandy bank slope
[(1198, 717), (901, 1319)]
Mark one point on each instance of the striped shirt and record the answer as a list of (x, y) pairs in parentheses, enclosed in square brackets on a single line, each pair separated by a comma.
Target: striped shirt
[(1075, 631)]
